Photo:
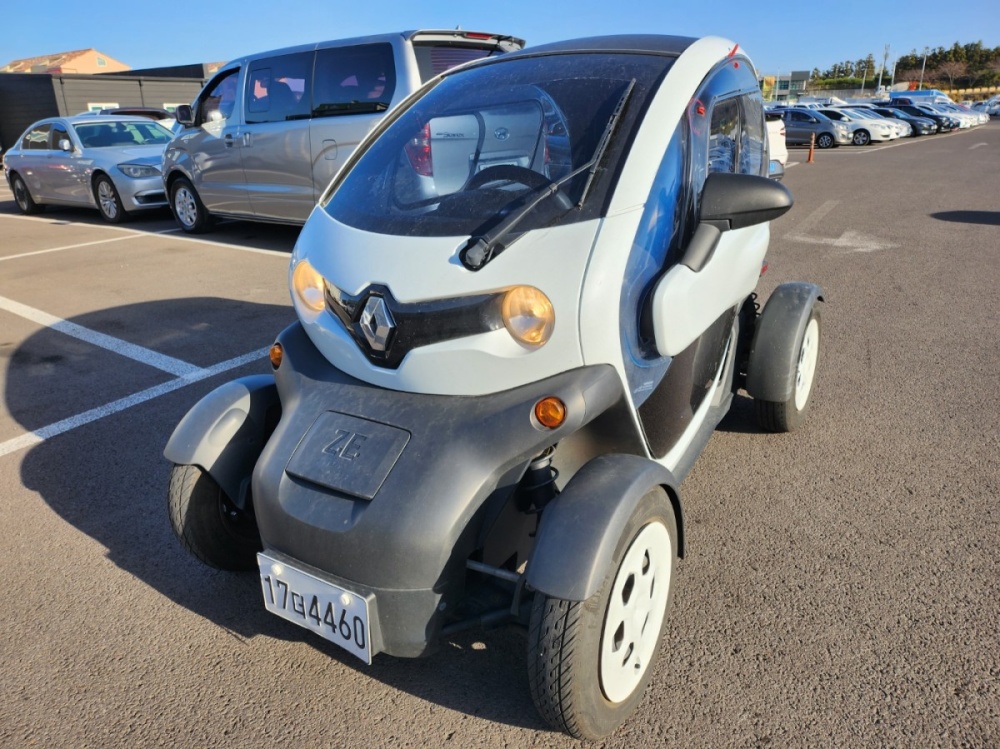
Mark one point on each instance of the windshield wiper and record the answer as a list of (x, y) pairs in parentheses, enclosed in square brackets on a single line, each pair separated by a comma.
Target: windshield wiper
[(482, 248)]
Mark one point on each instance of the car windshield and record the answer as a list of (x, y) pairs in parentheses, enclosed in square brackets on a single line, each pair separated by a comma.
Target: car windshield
[(489, 142), (118, 134)]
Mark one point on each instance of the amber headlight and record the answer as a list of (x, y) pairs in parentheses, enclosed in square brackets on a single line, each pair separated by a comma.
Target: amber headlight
[(528, 315), (308, 286)]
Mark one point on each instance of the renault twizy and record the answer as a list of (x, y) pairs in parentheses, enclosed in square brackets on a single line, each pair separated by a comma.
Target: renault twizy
[(523, 305)]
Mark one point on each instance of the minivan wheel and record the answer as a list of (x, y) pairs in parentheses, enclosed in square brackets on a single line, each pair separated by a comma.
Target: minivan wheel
[(861, 138), (824, 140), (22, 197), (187, 207)]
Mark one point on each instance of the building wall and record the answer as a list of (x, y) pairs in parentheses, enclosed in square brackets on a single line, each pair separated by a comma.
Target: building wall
[(28, 97)]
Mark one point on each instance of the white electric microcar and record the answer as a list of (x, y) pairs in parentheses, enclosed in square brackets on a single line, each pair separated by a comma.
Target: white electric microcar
[(524, 304)]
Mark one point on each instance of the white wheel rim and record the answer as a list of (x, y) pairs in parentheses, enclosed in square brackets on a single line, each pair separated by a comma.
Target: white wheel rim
[(106, 197), (185, 206), (635, 612), (806, 370)]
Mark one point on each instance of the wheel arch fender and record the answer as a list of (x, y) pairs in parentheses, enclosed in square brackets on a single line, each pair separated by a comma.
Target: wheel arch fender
[(777, 336), (225, 432), (581, 528)]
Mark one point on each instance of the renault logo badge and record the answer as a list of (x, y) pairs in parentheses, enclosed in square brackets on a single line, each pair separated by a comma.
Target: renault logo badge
[(376, 323)]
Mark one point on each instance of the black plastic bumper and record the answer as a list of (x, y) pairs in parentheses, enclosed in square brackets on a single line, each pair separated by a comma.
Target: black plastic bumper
[(386, 491)]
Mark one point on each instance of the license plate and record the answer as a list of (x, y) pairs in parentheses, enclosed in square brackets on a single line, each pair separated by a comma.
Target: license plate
[(336, 614)]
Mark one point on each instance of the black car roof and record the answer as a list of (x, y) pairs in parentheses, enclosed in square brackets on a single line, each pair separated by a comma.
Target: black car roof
[(657, 44)]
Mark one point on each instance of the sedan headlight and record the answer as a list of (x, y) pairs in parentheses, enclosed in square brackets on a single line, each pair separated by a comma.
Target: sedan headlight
[(841, 128), (528, 315), (137, 171)]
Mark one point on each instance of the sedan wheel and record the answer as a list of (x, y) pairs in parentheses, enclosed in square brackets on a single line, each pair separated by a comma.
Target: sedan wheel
[(108, 201), (824, 140), (861, 138), (22, 197)]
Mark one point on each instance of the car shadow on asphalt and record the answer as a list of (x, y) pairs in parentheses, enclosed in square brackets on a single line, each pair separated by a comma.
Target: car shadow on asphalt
[(108, 479), (990, 218)]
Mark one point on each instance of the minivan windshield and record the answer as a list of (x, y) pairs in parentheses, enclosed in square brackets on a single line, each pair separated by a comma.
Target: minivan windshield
[(487, 141)]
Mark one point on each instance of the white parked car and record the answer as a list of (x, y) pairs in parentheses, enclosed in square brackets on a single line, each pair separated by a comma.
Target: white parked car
[(864, 128), (776, 147)]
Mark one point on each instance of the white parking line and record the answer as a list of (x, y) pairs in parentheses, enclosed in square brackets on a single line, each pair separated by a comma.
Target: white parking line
[(133, 233), (118, 346), (65, 247), (60, 427)]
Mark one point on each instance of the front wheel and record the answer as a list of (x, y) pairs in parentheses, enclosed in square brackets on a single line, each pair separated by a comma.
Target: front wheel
[(589, 661), (824, 140), (861, 138), (207, 522), (188, 209), (109, 202)]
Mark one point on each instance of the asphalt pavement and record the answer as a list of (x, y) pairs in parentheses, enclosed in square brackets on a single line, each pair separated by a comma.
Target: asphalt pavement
[(842, 583)]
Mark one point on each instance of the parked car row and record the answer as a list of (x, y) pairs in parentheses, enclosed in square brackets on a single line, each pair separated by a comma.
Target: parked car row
[(863, 123)]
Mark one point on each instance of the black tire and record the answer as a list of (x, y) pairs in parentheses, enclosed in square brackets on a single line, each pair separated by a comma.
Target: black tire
[(208, 524), (188, 209), (861, 138), (109, 202), (825, 140), (22, 196), (788, 415), (568, 641)]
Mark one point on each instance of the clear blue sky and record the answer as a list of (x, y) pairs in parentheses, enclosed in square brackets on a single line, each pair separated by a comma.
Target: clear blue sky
[(777, 36)]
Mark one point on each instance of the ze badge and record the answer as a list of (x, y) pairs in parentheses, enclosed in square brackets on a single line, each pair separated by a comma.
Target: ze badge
[(346, 444)]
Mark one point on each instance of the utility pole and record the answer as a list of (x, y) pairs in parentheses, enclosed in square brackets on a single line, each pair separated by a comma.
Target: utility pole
[(920, 86), (864, 75), (885, 59)]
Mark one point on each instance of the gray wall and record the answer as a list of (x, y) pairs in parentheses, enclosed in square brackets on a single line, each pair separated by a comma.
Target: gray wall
[(27, 97)]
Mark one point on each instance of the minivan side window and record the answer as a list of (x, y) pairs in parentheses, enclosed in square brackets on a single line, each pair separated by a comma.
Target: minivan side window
[(278, 88), (352, 80), (218, 101)]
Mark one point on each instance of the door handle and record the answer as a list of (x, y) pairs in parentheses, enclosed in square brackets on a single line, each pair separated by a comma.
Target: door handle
[(228, 140), (247, 140)]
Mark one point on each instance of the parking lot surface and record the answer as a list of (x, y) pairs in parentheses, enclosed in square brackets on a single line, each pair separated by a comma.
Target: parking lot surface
[(842, 583)]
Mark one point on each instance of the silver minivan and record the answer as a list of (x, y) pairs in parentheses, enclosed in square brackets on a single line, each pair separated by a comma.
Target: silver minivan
[(269, 131)]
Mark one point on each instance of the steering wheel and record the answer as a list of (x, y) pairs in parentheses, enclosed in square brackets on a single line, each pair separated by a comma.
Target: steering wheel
[(513, 173), (507, 173)]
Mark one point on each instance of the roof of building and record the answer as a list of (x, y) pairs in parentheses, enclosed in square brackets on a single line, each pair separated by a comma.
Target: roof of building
[(50, 62)]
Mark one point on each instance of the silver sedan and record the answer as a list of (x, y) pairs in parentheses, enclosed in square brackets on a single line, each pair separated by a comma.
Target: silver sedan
[(109, 163)]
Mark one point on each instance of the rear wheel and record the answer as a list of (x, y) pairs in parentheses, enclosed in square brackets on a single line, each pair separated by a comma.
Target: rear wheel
[(109, 202), (22, 196), (824, 140), (188, 209), (787, 415), (207, 522), (589, 661)]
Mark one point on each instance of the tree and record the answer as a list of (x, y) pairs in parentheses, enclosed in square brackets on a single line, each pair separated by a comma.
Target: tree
[(951, 71)]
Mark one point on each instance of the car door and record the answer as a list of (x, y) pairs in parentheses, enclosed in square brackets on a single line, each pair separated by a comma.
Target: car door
[(32, 161), (353, 87), (215, 148), (67, 173), (275, 140), (795, 130), (698, 306)]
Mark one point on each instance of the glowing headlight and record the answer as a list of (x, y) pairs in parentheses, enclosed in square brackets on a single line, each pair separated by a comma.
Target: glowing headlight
[(528, 315), (308, 286), (137, 171)]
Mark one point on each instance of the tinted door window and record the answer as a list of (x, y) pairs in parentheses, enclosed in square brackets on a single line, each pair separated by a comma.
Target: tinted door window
[(58, 133), (218, 102), (351, 80), (37, 139), (278, 88)]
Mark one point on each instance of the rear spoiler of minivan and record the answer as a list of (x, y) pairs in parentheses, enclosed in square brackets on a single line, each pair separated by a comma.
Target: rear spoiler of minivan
[(502, 42)]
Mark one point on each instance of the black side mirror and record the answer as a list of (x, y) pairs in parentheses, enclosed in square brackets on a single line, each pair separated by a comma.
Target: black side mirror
[(733, 201), (184, 115)]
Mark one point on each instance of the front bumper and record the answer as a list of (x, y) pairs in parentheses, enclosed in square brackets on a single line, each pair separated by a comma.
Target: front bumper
[(387, 493)]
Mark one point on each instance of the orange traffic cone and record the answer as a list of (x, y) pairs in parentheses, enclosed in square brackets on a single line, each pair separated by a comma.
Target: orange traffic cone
[(812, 148)]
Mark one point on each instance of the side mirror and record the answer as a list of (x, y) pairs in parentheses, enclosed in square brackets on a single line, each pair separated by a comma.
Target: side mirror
[(184, 115), (65, 145), (733, 201)]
